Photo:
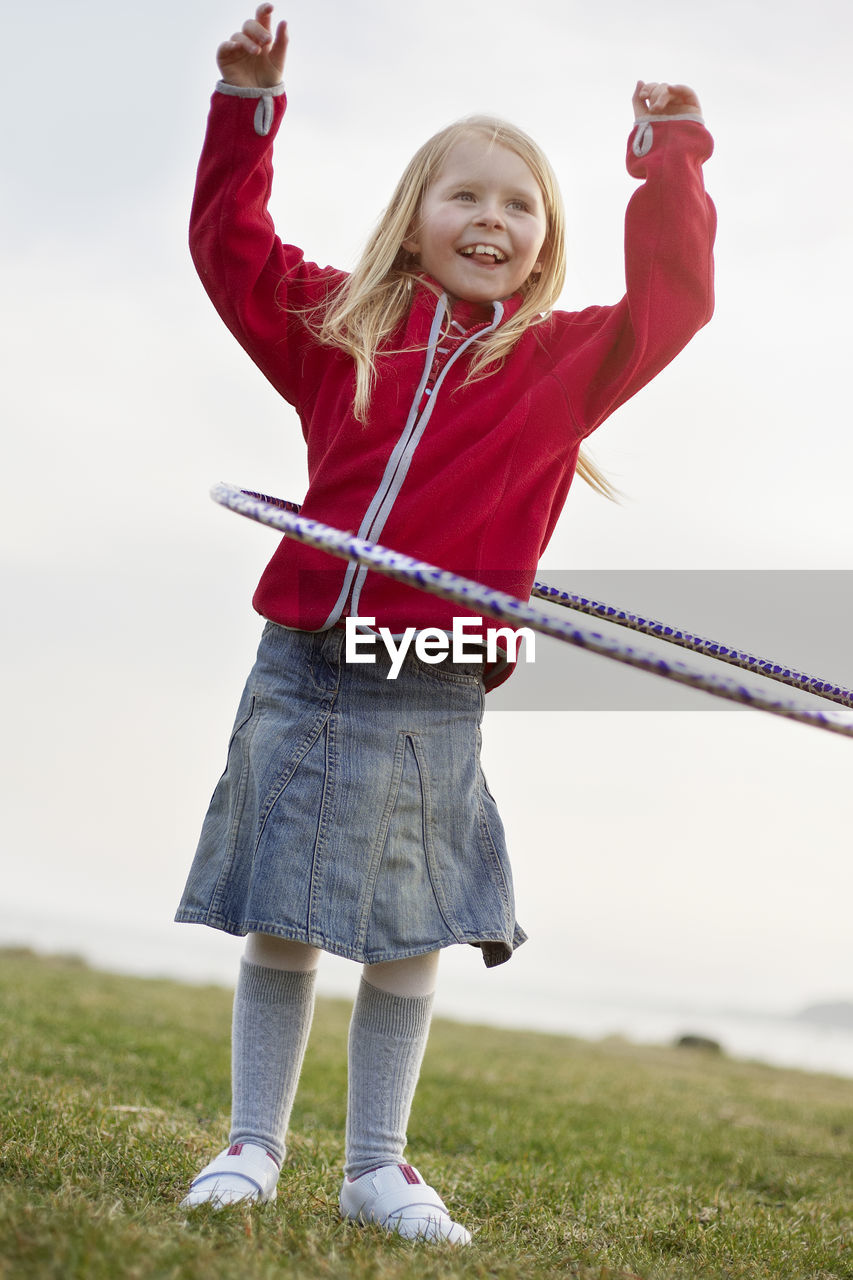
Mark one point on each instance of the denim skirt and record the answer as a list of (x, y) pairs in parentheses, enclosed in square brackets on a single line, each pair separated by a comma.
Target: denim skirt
[(353, 813)]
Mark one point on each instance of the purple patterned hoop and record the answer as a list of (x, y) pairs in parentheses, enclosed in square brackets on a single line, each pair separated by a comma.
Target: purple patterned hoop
[(283, 516)]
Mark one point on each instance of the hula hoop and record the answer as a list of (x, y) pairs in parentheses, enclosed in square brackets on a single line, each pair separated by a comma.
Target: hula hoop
[(283, 516)]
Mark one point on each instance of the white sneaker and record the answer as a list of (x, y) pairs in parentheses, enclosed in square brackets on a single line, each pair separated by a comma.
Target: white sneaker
[(397, 1197), (242, 1172)]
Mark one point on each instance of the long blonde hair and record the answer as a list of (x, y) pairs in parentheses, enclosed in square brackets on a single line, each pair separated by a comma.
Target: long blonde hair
[(374, 299)]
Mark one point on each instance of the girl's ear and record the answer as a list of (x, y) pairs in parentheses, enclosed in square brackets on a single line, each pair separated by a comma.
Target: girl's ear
[(411, 245)]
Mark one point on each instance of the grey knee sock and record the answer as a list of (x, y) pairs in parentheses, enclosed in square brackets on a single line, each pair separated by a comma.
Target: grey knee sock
[(272, 1017), (387, 1039)]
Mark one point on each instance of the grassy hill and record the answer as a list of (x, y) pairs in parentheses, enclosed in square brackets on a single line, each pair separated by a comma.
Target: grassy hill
[(566, 1159)]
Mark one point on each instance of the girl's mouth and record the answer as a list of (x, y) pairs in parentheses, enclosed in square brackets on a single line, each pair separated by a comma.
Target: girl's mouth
[(487, 254)]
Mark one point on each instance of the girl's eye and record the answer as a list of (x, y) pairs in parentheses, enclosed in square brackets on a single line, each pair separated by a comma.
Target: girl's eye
[(519, 204), (464, 195)]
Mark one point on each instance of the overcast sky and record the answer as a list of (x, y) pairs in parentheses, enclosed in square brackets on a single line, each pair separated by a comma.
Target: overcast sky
[(705, 850)]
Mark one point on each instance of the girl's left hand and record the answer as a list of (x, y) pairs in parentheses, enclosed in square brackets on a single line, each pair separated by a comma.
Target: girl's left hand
[(653, 99)]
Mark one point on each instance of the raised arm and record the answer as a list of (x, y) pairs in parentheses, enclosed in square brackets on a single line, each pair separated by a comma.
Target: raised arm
[(261, 287), (609, 353)]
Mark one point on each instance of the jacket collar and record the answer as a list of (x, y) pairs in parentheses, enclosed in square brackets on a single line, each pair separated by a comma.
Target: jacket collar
[(467, 314)]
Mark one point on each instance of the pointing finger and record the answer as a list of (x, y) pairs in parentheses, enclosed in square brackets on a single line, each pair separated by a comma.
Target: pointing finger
[(263, 15)]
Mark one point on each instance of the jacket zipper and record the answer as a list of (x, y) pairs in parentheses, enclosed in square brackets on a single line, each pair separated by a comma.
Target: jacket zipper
[(398, 464)]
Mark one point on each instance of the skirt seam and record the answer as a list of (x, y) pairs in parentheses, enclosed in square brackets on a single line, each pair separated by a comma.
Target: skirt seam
[(327, 801), (250, 724), (429, 851), (382, 836)]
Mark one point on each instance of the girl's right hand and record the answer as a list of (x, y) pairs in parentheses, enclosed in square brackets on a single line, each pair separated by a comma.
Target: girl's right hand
[(253, 58)]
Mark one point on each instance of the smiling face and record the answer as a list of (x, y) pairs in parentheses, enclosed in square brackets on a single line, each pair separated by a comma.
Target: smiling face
[(482, 222)]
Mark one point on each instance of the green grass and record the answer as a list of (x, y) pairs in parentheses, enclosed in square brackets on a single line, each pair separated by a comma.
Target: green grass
[(567, 1159)]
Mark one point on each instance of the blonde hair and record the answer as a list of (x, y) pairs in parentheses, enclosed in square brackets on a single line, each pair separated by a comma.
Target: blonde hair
[(374, 299)]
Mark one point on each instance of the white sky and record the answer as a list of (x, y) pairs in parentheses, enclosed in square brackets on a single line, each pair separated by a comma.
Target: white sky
[(687, 850)]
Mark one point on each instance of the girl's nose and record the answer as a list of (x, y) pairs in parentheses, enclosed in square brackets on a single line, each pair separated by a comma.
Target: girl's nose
[(489, 215)]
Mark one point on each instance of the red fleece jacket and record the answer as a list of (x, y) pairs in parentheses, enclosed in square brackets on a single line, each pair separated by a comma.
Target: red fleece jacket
[(487, 478)]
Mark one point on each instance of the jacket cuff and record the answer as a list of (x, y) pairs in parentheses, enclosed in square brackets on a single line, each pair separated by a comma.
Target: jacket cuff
[(644, 135), (685, 115), (264, 110)]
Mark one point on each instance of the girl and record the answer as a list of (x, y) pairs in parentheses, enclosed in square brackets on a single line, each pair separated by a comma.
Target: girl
[(443, 403)]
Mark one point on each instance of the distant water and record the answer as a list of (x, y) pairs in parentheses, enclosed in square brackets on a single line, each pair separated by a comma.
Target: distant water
[(778, 1039), (199, 955)]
